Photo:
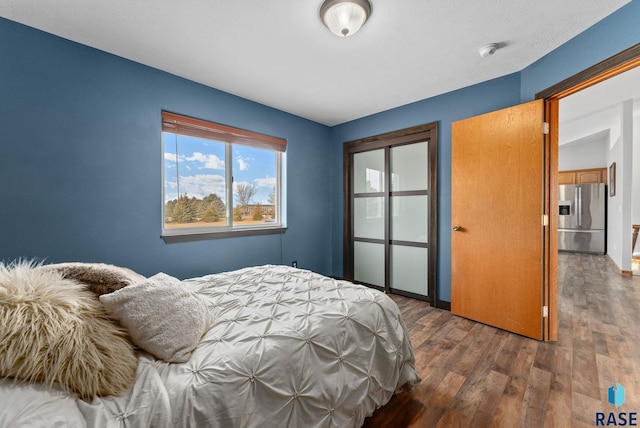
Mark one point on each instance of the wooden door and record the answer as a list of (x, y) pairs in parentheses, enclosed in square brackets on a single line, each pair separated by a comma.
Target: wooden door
[(497, 207)]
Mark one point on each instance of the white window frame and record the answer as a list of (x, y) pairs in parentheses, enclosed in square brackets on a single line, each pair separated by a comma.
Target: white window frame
[(183, 125)]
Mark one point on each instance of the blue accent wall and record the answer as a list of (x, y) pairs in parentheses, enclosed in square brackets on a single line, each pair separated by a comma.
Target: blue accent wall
[(444, 109), (80, 157), (80, 162), (612, 35)]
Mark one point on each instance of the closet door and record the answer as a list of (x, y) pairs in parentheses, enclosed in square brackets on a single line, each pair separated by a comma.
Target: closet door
[(369, 217), (390, 212), (409, 209)]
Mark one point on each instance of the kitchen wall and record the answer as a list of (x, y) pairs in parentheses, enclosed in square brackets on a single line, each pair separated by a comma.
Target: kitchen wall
[(619, 206), (587, 125), (584, 155)]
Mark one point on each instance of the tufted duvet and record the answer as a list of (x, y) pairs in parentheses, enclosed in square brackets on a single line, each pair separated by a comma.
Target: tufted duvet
[(289, 348)]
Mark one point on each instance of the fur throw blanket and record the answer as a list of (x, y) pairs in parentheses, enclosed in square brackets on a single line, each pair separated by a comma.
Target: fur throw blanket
[(53, 330), (100, 278)]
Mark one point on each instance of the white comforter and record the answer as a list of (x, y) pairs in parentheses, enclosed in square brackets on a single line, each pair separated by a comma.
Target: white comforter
[(289, 348)]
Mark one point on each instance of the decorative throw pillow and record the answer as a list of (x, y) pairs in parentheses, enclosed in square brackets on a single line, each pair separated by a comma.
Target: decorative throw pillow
[(100, 278), (162, 316), (53, 330)]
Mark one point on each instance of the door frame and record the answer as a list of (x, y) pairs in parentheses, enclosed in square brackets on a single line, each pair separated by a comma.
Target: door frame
[(425, 132), (610, 67)]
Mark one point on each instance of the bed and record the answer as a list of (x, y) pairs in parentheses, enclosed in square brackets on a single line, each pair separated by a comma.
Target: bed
[(281, 347)]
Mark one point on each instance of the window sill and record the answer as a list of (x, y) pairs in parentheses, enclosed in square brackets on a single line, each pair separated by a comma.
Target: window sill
[(202, 236)]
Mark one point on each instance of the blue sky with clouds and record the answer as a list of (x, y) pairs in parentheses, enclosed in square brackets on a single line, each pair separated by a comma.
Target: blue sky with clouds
[(199, 168)]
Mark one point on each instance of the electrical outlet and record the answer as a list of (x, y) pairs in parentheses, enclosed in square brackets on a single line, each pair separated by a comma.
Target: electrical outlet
[(294, 264)]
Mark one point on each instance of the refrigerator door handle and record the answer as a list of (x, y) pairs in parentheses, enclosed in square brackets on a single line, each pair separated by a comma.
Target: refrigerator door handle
[(576, 201), (579, 206)]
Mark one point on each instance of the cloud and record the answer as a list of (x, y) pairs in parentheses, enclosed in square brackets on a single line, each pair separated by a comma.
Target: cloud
[(170, 190), (171, 157), (198, 157), (197, 186), (269, 182), (242, 163), (209, 161)]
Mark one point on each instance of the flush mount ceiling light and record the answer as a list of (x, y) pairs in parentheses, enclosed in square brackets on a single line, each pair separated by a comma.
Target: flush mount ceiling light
[(345, 17)]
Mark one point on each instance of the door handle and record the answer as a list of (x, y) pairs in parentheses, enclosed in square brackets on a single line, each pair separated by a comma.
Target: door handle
[(457, 228), (579, 206)]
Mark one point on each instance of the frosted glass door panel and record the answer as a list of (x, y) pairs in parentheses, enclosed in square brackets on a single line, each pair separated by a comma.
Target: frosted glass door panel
[(368, 263), (368, 218), (409, 269), (409, 218), (410, 167), (368, 172)]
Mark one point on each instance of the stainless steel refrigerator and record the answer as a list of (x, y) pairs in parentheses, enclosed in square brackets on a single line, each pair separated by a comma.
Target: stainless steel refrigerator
[(582, 221)]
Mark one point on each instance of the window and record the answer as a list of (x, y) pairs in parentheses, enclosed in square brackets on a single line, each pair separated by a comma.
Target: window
[(219, 181)]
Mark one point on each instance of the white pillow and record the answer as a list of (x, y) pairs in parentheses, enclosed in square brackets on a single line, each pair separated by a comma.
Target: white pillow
[(161, 315)]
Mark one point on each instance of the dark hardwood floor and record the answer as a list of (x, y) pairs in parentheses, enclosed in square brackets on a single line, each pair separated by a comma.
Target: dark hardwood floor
[(474, 375)]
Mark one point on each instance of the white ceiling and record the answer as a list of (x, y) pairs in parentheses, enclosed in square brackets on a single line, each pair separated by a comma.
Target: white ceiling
[(594, 113), (278, 53)]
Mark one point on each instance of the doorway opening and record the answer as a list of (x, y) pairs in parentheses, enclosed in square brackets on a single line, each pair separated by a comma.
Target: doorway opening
[(613, 66), (599, 128)]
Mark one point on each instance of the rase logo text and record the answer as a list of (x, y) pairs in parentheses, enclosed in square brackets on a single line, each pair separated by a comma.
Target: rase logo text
[(616, 419)]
